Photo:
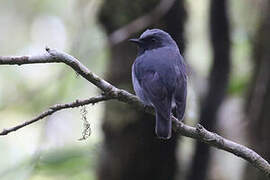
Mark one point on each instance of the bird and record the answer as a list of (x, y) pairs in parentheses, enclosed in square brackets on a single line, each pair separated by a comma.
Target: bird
[(159, 78)]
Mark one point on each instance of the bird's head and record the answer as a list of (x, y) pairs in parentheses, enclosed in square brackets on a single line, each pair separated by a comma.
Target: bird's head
[(153, 39)]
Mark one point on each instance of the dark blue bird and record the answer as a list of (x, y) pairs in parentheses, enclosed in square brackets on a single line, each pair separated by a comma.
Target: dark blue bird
[(159, 78)]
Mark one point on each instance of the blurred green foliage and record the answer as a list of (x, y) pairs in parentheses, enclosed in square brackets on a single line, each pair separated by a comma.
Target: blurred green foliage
[(25, 91), (67, 164), (76, 163)]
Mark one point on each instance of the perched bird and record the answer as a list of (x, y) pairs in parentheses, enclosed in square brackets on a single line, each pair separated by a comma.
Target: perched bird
[(159, 78)]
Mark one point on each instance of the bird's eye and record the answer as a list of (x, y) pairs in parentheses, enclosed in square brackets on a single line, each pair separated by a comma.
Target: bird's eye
[(153, 39)]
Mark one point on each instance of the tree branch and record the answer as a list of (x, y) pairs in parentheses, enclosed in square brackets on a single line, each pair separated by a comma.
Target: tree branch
[(55, 108), (111, 92)]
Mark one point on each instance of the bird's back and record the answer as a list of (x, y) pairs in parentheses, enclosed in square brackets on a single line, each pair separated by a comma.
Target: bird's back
[(162, 61)]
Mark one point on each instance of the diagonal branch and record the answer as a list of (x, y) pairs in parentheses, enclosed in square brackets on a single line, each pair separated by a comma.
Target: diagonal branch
[(111, 92), (55, 108), (53, 56)]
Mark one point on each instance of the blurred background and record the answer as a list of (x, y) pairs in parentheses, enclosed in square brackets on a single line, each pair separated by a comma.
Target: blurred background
[(225, 43)]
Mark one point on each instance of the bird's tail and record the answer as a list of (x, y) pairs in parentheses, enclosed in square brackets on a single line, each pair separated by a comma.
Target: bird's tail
[(163, 126)]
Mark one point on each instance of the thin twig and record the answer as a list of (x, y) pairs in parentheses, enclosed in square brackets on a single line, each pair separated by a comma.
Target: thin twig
[(54, 109), (111, 92)]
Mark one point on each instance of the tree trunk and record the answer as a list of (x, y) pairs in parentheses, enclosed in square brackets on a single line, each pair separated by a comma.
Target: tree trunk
[(258, 103), (218, 82), (131, 150)]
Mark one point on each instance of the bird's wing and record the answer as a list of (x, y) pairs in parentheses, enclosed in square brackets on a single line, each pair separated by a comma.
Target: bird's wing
[(138, 89), (157, 93), (160, 97), (180, 89)]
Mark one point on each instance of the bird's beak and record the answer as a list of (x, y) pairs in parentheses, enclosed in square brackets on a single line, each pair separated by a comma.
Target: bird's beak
[(136, 41)]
